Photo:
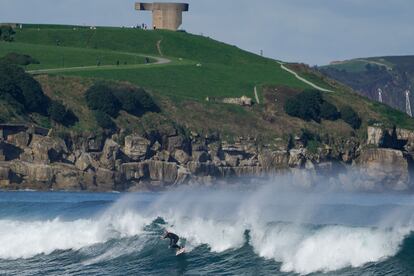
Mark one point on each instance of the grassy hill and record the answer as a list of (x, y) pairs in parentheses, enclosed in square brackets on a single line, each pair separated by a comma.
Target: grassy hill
[(197, 67), (225, 70)]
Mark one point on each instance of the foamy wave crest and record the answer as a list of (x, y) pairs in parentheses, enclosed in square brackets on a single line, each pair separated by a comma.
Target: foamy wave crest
[(218, 235), (23, 239), (302, 249), (305, 250)]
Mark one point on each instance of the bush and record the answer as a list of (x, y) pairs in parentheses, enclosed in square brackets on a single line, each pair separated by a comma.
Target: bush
[(34, 98), (6, 33), (99, 97), (135, 101), (104, 120), (306, 105), (329, 112), (351, 117), (19, 59), (18, 86), (60, 114)]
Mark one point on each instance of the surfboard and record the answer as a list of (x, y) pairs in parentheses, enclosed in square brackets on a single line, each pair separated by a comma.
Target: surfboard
[(181, 251)]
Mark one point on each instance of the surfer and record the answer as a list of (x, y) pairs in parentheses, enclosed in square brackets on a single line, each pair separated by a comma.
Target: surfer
[(173, 240)]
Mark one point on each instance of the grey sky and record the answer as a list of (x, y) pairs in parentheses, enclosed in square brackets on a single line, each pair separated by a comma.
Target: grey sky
[(310, 31)]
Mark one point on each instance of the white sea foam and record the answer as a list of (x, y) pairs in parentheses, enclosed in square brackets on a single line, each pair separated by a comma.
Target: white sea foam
[(286, 237), (25, 239), (303, 250), (218, 235), (219, 219)]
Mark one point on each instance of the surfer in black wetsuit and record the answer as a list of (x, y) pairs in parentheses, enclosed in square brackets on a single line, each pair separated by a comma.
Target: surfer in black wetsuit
[(173, 240)]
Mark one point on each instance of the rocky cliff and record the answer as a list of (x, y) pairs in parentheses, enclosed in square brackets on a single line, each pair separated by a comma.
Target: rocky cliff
[(160, 160)]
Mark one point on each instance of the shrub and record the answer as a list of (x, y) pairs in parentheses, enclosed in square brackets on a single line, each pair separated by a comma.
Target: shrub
[(57, 112), (18, 86), (104, 120), (329, 112), (306, 105), (351, 117), (9, 75), (6, 33), (135, 101), (19, 59), (60, 114), (99, 97), (34, 98)]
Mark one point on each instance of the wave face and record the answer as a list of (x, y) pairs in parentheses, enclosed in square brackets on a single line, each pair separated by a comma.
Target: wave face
[(259, 231)]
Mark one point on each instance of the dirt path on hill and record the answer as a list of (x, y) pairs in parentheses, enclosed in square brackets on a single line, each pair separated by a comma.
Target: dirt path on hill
[(159, 47), (256, 95), (158, 61), (296, 75)]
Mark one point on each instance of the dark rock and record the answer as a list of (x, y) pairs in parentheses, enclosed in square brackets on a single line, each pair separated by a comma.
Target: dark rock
[(135, 171), (203, 169), (136, 147), (110, 154), (105, 179), (273, 160), (163, 156), (178, 143), (47, 150), (20, 140), (165, 172), (200, 156), (181, 157), (88, 180), (84, 162), (384, 170), (66, 178)]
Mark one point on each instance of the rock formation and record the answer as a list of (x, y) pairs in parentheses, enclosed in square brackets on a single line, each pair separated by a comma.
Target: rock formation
[(159, 160)]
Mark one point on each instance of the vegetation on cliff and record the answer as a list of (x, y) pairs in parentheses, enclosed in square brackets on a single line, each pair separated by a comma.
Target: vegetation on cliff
[(74, 60), (392, 74)]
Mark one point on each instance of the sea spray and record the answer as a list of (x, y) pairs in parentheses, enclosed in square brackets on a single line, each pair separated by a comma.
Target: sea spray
[(287, 228)]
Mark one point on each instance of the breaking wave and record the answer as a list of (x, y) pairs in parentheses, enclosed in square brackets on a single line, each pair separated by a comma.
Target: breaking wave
[(287, 231)]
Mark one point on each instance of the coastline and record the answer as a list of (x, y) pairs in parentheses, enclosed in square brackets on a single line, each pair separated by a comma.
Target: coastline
[(165, 159)]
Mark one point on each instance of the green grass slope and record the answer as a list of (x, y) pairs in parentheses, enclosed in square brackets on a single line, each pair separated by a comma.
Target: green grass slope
[(60, 57), (199, 67)]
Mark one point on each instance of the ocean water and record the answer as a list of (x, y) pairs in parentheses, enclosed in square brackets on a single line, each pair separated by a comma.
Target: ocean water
[(263, 230)]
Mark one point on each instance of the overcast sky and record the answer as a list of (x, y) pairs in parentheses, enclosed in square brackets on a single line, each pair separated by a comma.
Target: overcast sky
[(310, 31)]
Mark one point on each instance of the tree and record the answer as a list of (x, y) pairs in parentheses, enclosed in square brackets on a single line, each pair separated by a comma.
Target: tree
[(99, 97), (329, 112), (6, 33), (306, 105), (135, 101), (34, 98), (60, 114), (349, 115), (21, 87), (57, 112), (104, 120)]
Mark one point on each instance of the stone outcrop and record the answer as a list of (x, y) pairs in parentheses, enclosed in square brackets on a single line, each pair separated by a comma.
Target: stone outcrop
[(384, 169), (136, 147), (110, 154), (164, 159), (375, 136)]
